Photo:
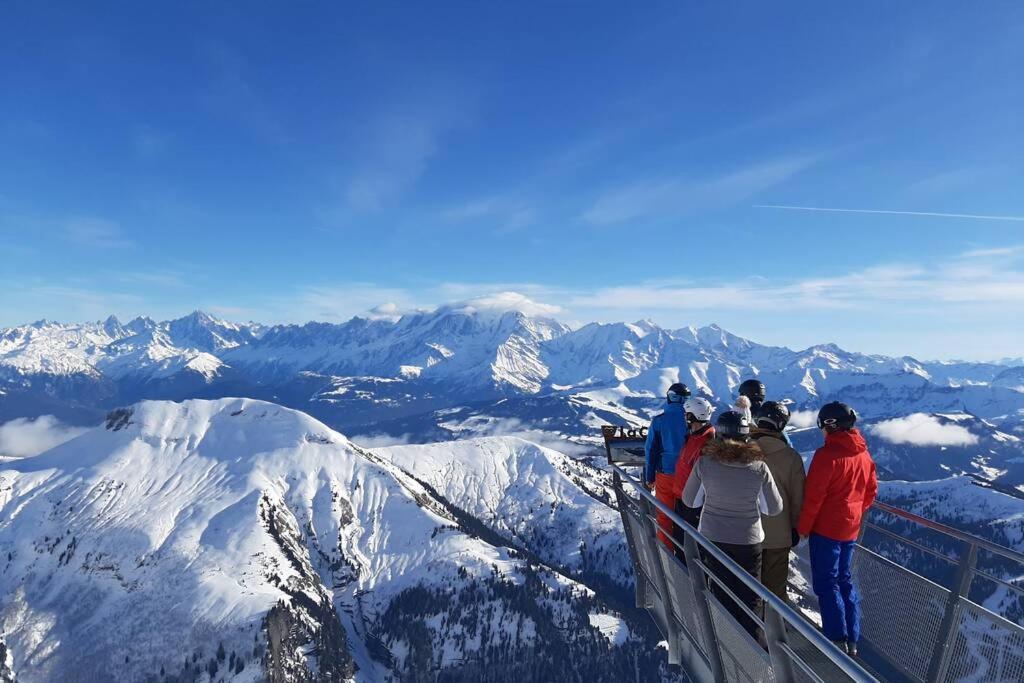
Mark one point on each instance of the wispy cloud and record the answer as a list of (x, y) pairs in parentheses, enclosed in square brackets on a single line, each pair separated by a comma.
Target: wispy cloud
[(947, 181), (24, 438), (96, 233), (232, 93), (974, 278), (397, 147), (504, 214), (674, 197), (932, 214), (925, 286), (32, 300), (158, 278), (997, 252)]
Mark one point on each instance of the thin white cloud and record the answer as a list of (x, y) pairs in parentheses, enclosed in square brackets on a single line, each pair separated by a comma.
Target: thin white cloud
[(508, 301), (932, 214), (952, 282), (674, 197), (96, 233), (397, 147), (995, 252), (504, 214), (24, 438), (158, 278), (340, 303), (921, 429)]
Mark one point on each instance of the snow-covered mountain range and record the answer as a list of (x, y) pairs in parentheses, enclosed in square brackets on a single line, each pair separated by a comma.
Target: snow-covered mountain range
[(479, 368), (462, 353), (240, 540)]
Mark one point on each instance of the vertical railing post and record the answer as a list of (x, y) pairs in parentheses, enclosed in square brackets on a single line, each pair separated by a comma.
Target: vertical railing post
[(775, 634), (948, 628), (700, 593)]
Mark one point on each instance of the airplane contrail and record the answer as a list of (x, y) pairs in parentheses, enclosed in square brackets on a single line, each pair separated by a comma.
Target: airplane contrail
[(1019, 219)]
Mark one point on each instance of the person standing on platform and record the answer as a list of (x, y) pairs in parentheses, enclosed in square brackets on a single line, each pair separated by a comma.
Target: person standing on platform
[(841, 485), (737, 488), (787, 468), (698, 413), (665, 437)]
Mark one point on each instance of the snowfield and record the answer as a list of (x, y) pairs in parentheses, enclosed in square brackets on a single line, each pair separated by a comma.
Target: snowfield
[(537, 496), (251, 535)]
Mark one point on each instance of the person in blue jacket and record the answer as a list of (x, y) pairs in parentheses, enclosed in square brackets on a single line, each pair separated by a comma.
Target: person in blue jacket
[(665, 438)]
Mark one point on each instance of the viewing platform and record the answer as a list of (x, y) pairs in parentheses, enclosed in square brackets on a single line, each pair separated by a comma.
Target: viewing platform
[(954, 619)]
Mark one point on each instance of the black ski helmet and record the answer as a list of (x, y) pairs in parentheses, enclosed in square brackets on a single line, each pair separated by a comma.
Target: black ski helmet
[(754, 390), (836, 416), (732, 425), (773, 415), (677, 393)]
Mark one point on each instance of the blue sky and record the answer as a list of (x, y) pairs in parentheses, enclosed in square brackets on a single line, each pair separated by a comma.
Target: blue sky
[(286, 163)]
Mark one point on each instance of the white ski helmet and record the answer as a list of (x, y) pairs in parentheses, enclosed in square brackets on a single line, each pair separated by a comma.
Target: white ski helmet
[(700, 408)]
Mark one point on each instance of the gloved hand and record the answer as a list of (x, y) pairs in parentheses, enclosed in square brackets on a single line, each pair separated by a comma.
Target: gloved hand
[(795, 538)]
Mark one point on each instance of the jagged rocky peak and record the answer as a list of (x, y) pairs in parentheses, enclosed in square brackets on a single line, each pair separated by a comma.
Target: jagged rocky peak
[(202, 331), (113, 327)]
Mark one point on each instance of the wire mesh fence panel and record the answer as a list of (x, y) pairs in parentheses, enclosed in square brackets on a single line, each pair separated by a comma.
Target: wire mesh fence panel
[(684, 603), (901, 612), (998, 584), (647, 552), (743, 659), (984, 648), (637, 530), (814, 658)]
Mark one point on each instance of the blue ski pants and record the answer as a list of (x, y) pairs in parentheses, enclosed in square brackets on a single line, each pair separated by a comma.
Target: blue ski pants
[(832, 579)]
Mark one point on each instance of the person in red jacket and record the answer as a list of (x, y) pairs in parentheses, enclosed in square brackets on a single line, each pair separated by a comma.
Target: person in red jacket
[(841, 486), (699, 431)]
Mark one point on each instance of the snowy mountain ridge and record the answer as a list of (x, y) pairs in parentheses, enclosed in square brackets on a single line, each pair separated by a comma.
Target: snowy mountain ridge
[(528, 353), (499, 366), (267, 546)]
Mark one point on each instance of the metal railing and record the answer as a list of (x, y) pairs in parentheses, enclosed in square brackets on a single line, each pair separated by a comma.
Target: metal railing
[(957, 623), (914, 628)]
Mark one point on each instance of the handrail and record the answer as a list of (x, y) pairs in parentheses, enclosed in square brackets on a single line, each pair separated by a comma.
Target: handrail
[(913, 544), (989, 546), (791, 617)]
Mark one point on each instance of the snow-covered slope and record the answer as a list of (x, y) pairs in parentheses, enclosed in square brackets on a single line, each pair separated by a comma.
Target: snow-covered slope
[(242, 538), (556, 507)]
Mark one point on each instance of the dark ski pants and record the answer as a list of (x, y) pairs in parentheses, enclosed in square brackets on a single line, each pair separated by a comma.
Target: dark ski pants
[(775, 570), (692, 517), (832, 579), (748, 557)]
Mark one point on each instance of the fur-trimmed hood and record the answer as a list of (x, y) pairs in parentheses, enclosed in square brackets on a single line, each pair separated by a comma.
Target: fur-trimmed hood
[(733, 452)]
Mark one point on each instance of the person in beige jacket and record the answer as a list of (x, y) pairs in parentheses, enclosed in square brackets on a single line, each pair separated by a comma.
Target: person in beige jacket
[(787, 468)]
